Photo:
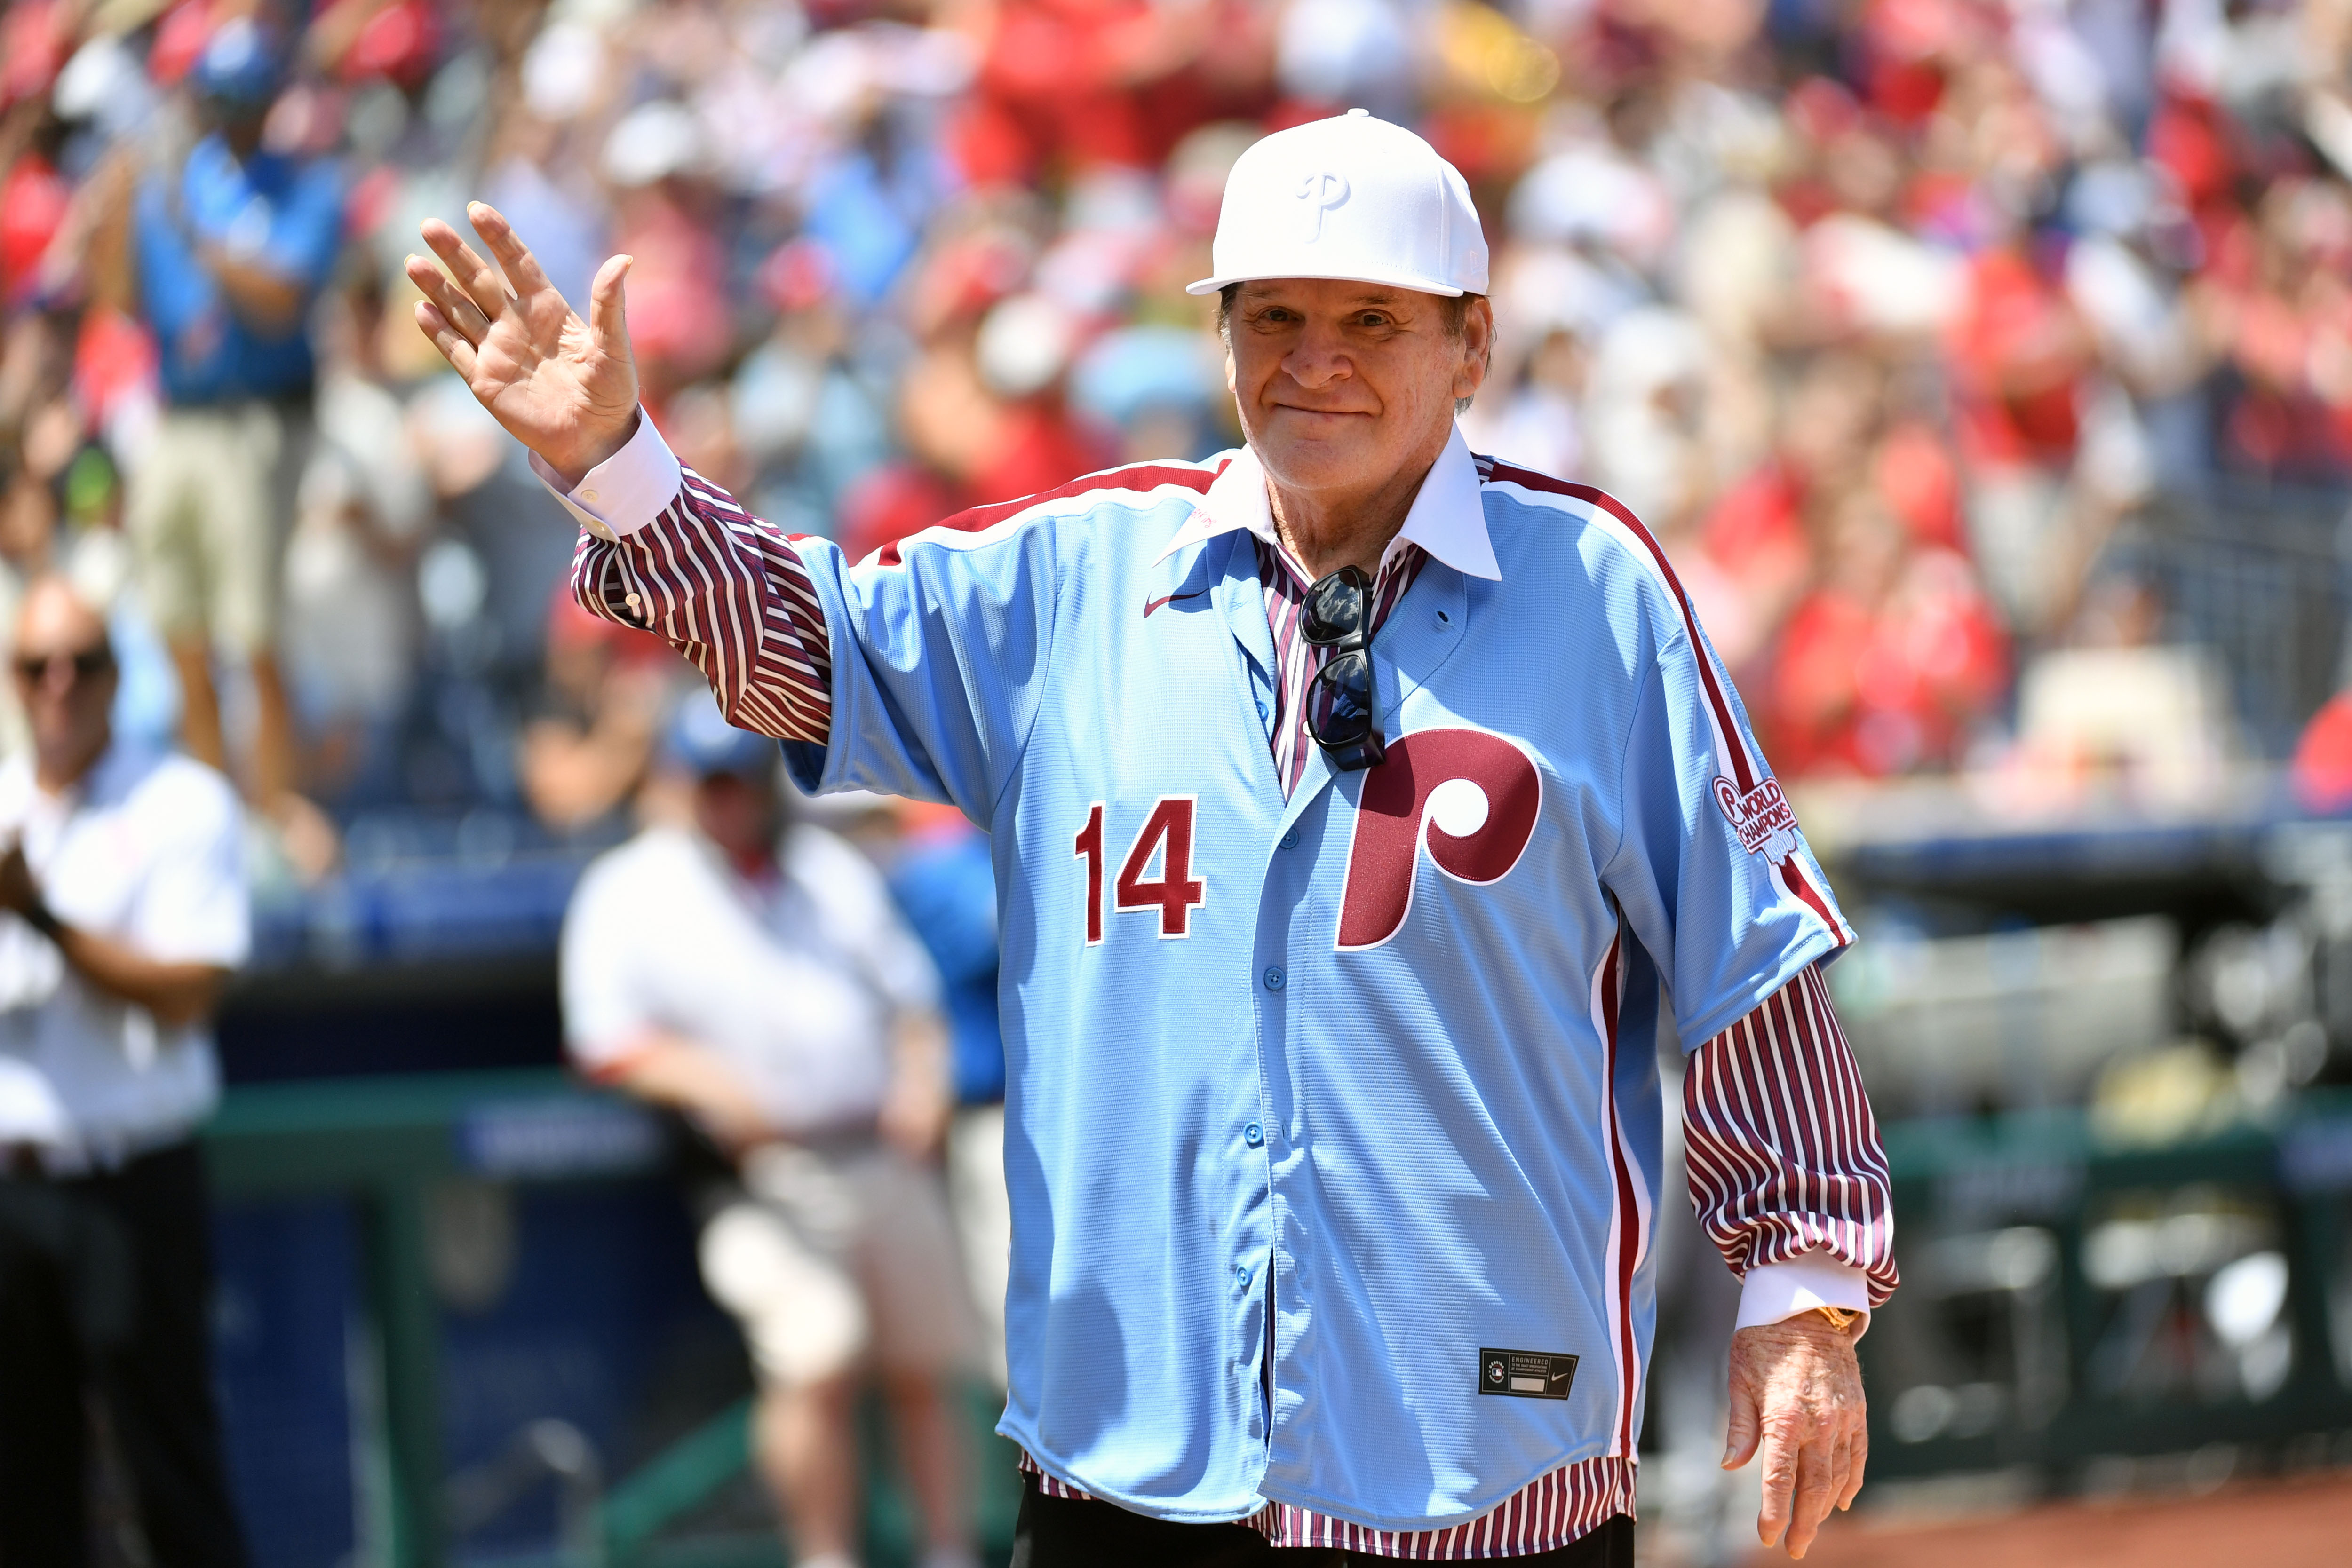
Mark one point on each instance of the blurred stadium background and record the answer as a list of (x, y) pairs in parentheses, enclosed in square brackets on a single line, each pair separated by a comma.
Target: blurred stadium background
[(1987, 365)]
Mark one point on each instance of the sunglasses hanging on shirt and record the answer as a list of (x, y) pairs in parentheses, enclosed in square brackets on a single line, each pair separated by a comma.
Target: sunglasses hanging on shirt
[(1342, 701)]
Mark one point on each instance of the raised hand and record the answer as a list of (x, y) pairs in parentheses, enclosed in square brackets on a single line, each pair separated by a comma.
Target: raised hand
[(565, 388)]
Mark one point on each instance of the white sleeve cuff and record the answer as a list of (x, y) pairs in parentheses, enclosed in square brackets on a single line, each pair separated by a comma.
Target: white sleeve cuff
[(625, 491), (1772, 1291)]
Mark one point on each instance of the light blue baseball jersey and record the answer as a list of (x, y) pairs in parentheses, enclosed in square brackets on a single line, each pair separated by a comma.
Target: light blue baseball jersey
[(1382, 1054)]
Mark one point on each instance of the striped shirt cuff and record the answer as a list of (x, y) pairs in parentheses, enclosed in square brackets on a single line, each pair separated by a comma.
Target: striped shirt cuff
[(625, 491), (1772, 1291)]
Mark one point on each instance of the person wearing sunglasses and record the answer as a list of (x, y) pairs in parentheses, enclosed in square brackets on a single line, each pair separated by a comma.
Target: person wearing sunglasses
[(123, 883), (1364, 812)]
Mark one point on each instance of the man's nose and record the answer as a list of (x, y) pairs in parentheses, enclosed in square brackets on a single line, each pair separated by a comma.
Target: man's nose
[(1318, 359)]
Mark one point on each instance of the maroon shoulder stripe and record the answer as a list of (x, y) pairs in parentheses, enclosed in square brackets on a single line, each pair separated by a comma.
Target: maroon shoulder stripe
[(1138, 478), (1749, 769), (1527, 478)]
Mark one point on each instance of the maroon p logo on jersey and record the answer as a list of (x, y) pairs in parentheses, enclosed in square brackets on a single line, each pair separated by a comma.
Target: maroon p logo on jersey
[(1473, 796)]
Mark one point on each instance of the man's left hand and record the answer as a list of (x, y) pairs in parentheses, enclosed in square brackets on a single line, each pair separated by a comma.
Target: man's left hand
[(1796, 1390)]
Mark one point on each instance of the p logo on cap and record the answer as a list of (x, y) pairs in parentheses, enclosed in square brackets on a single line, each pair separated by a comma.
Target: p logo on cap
[(1321, 193)]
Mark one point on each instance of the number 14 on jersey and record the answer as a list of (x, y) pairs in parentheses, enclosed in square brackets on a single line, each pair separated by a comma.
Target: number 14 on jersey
[(1165, 840)]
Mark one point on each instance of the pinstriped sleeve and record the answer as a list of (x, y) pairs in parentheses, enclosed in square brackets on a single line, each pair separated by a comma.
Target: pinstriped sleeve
[(1785, 1158), (731, 593)]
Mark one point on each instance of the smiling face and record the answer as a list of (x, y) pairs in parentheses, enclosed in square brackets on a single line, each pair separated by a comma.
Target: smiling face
[(1345, 387)]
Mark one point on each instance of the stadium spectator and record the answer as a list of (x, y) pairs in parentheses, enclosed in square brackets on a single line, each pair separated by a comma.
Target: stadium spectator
[(944, 877), (751, 972), (362, 515), (229, 246), (126, 911)]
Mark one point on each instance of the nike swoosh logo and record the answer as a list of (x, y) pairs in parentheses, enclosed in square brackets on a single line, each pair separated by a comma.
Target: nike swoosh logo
[(1151, 604)]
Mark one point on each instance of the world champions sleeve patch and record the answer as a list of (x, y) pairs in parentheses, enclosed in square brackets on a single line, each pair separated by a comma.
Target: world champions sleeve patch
[(1762, 819), (1525, 1374)]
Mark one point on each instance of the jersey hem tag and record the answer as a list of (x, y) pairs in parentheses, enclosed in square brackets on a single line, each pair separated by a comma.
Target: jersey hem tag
[(1525, 1374)]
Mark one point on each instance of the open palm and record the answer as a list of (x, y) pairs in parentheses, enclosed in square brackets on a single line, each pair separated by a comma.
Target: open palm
[(564, 387)]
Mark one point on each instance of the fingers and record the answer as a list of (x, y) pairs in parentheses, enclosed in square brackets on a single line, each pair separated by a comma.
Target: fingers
[(1861, 1460), (456, 310), (1739, 1441), (523, 269), (1813, 1495), (475, 276), (454, 348), (608, 321), (1781, 1454)]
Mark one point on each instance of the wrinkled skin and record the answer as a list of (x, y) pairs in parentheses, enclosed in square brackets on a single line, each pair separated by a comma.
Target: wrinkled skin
[(1796, 1394)]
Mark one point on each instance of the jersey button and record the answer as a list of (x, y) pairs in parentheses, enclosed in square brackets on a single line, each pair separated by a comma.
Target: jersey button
[(1274, 978), (1254, 1135), (1290, 840), (1261, 713), (1242, 1276)]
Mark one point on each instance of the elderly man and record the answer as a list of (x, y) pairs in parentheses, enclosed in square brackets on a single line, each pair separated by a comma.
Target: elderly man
[(1359, 805), (124, 881)]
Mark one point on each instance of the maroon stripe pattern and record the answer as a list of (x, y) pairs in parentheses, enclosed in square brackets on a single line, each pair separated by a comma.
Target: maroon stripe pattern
[(1297, 661), (729, 592), (1543, 1516), (1784, 1151), (1628, 1213)]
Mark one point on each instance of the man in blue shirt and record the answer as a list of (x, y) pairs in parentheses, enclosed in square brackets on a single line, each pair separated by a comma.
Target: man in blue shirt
[(230, 248)]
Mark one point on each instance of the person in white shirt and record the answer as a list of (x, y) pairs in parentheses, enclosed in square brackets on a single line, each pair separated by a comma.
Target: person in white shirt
[(121, 878), (753, 975)]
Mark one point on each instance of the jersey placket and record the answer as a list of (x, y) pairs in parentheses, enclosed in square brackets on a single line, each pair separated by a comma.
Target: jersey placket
[(1285, 584)]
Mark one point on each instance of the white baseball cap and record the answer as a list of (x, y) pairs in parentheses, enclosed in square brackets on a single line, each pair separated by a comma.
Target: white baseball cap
[(1350, 197)]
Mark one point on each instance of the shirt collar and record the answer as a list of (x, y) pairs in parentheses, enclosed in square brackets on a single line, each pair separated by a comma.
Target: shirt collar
[(1447, 518)]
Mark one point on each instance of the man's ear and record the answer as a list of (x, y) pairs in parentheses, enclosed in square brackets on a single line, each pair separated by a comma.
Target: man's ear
[(1477, 348)]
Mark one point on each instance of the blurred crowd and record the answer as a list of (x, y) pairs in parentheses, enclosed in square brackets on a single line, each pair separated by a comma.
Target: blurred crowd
[(1882, 313)]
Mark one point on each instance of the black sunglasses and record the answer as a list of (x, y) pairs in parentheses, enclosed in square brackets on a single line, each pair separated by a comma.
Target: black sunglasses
[(1342, 702), (88, 664)]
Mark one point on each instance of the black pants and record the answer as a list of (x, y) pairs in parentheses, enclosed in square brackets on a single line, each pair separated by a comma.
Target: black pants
[(1057, 1532), (105, 1287)]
